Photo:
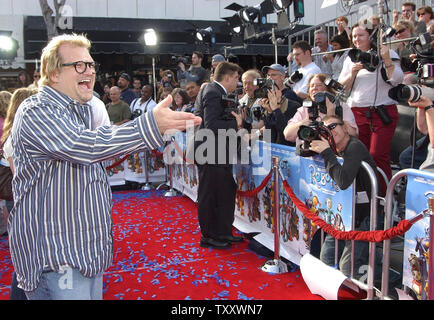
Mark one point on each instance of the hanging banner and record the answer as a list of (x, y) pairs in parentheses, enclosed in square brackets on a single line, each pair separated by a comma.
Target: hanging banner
[(420, 186)]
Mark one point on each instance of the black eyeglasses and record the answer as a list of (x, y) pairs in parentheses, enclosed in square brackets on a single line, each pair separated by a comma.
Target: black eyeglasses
[(331, 126), (81, 66), (400, 31), (36, 76)]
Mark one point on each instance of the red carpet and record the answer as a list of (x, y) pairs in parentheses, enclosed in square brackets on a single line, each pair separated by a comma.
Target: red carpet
[(157, 257)]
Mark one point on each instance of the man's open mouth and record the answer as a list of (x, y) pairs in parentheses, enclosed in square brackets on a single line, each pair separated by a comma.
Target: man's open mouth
[(86, 83)]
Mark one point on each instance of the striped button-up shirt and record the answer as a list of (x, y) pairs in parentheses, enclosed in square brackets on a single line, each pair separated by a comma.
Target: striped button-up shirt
[(62, 212)]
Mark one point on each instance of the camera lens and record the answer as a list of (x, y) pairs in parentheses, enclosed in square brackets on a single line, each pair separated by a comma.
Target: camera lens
[(306, 133)]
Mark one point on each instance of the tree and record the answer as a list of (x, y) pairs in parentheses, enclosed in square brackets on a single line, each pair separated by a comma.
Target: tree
[(51, 22)]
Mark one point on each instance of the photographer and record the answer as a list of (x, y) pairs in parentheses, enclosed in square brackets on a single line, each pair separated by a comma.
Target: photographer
[(217, 188), (375, 112), (168, 79), (278, 108), (353, 152), (195, 73), (144, 103), (425, 124), (316, 85), (248, 101)]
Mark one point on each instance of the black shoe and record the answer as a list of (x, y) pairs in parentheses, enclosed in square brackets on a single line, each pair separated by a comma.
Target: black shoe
[(213, 243), (231, 239)]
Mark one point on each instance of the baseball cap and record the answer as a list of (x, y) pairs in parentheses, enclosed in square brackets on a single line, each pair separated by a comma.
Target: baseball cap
[(126, 76), (218, 58), (274, 66)]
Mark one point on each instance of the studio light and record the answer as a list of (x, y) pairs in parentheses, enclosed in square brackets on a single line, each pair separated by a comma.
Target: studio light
[(206, 35), (281, 4), (150, 37), (249, 14), (8, 46)]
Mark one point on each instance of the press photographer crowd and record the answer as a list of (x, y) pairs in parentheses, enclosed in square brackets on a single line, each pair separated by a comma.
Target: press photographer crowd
[(336, 98)]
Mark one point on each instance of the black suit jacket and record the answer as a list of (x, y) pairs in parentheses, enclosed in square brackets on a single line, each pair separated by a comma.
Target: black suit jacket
[(210, 107)]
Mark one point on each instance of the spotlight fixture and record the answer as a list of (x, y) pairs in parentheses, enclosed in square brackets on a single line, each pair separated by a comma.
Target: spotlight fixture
[(150, 37), (281, 4), (8, 46), (206, 35)]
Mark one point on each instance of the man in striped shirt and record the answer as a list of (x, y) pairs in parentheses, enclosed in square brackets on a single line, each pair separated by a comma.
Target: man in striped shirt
[(60, 229)]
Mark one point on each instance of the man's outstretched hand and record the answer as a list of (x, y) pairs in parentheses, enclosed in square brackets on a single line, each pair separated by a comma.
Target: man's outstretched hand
[(168, 119)]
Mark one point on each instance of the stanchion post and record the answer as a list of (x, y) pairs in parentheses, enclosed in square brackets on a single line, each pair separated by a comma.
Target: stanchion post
[(373, 226), (276, 266), (171, 192), (431, 255), (147, 185)]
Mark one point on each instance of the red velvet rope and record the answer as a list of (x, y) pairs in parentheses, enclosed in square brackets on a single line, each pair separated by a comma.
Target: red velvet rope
[(369, 236), (181, 153), (254, 192), (157, 153), (117, 162)]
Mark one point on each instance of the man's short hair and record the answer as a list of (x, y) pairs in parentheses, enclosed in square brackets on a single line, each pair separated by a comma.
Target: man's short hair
[(199, 54), (51, 60), (332, 116), (321, 31), (303, 45), (409, 4), (342, 18), (225, 68)]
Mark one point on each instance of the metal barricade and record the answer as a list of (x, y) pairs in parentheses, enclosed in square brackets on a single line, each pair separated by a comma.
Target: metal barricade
[(388, 224)]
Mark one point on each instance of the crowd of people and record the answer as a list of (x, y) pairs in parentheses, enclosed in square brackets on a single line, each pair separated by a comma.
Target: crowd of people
[(55, 123)]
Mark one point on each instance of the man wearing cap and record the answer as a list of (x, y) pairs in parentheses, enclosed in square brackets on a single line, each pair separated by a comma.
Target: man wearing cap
[(127, 94), (279, 107), (216, 59), (301, 51), (277, 72)]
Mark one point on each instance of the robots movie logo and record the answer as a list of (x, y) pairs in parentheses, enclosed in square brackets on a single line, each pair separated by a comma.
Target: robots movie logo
[(321, 179)]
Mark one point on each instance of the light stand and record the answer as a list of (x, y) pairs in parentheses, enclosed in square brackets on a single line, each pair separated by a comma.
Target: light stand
[(151, 40)]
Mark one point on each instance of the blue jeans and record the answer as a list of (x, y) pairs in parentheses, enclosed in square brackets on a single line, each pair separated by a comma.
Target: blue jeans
[(419, 156), (361, 254), (68, 284)]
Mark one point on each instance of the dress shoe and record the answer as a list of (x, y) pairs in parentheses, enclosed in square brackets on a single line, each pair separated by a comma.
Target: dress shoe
[(213, 243), (231, 239)]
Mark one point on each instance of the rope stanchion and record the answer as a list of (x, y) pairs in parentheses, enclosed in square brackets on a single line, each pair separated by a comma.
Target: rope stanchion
[(181, 153), (368, 236), (117, 162), (254, 192)]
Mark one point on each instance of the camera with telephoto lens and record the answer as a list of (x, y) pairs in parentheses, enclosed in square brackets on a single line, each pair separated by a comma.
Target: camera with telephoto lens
[(264, 85), (369, 59), (313, 131), (293, 78), (423, 66)]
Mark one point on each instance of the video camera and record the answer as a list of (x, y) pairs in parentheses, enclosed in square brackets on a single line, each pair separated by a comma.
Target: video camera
[(264, 85), (423, 66), (230, 102), (177, 59)]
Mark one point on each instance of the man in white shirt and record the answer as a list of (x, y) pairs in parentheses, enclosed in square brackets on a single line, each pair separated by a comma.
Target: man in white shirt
[(143, 104), (301, 51), (322, 45)]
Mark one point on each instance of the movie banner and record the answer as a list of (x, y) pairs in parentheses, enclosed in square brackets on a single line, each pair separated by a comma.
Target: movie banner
[(184, 175), (116, 175), (310, 182), (420, 186)]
